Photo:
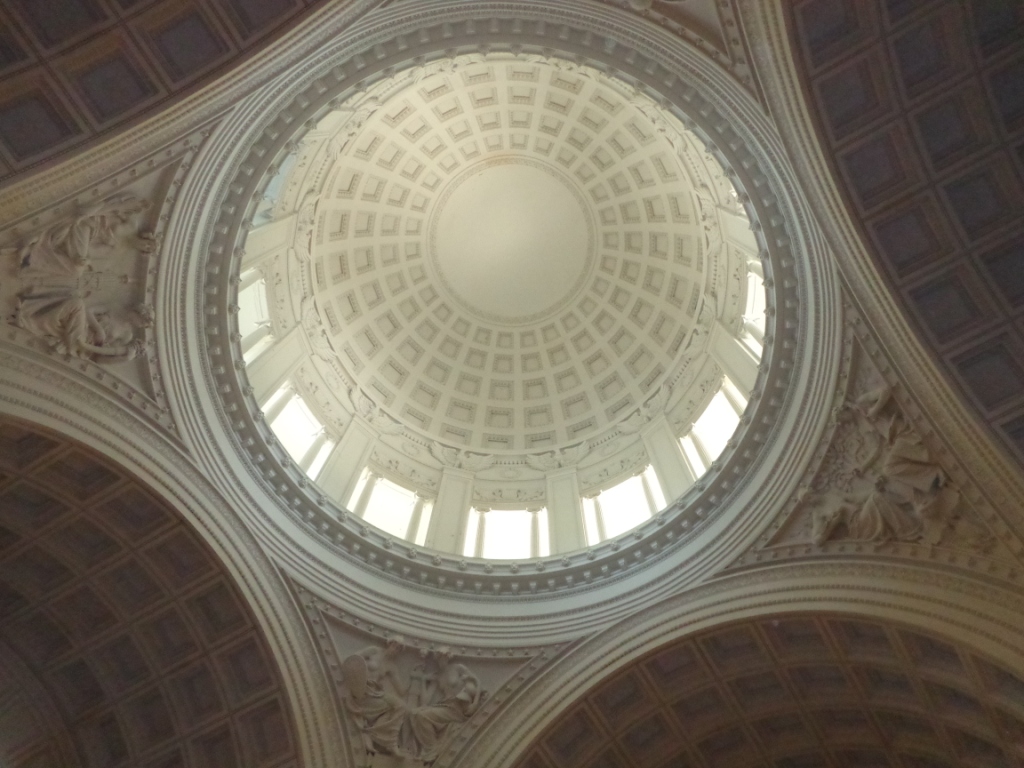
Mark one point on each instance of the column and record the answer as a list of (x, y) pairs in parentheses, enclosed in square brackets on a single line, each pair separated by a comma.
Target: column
[(416, 518), (652, 505), (734, 396), (534, 531), (481, 532), (448, 520), (249, 278), (273, 409), (348, 459), (702, 451), (602, 533), (565, 511), (666, 457), (736, 360), (359, 508), (250, 340), (754, 329), (311, 453)]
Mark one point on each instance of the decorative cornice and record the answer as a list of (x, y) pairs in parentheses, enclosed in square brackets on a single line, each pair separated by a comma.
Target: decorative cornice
[(709, 104)]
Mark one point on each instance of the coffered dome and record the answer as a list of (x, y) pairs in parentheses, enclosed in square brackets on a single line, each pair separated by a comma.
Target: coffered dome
[(508, 254), (504, 265)]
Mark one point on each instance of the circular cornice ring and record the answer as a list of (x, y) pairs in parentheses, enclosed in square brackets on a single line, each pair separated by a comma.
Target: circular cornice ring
[(740, 493)]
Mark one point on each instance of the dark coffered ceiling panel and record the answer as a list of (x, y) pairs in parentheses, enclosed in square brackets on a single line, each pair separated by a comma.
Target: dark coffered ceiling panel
[(921, 106), (75, 70), (796, 691), (127, 621)]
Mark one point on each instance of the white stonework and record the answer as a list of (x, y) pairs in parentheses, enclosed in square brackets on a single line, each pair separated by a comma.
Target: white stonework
[(844, 404)]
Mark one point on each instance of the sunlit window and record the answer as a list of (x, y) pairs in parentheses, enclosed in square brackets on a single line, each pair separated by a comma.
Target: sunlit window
[(253, 316), (391, 507), (507, 534), (622, 507), (716, 425), (698, 461), (298, 430), (754, 314)]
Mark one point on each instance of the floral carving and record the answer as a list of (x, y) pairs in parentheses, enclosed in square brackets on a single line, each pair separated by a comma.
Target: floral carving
[(70, 267), (885, 485)]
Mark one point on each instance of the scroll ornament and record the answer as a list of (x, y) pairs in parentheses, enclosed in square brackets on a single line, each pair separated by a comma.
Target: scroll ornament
[(459, 459), (567, 457), (412, 717), (894, 490), (653, 406)]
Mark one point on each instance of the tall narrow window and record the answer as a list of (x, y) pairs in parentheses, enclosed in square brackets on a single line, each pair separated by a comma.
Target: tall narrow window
[(506, 534), (299, 431), (253, 316), (715, 426), (754, 314)]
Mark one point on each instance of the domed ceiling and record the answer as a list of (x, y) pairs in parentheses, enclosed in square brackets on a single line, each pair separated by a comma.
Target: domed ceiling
[(507, 253), (503, 264)]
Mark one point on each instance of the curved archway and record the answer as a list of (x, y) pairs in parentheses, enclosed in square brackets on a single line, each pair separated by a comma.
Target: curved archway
[(983, 621), (121, 613)]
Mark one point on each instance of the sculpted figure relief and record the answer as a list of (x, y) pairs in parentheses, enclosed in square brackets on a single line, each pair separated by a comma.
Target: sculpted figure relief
[(897, 492), (70, 327), (64, 249), (410, 719)]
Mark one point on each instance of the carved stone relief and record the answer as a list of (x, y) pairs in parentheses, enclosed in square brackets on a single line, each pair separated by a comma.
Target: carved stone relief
[(505, 495), (567, 457), (880, 482), (409, 701), (386, 459), (651, 407), (886, 485), (74, 282), (413, 715), (613, 470), (458, 459)]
